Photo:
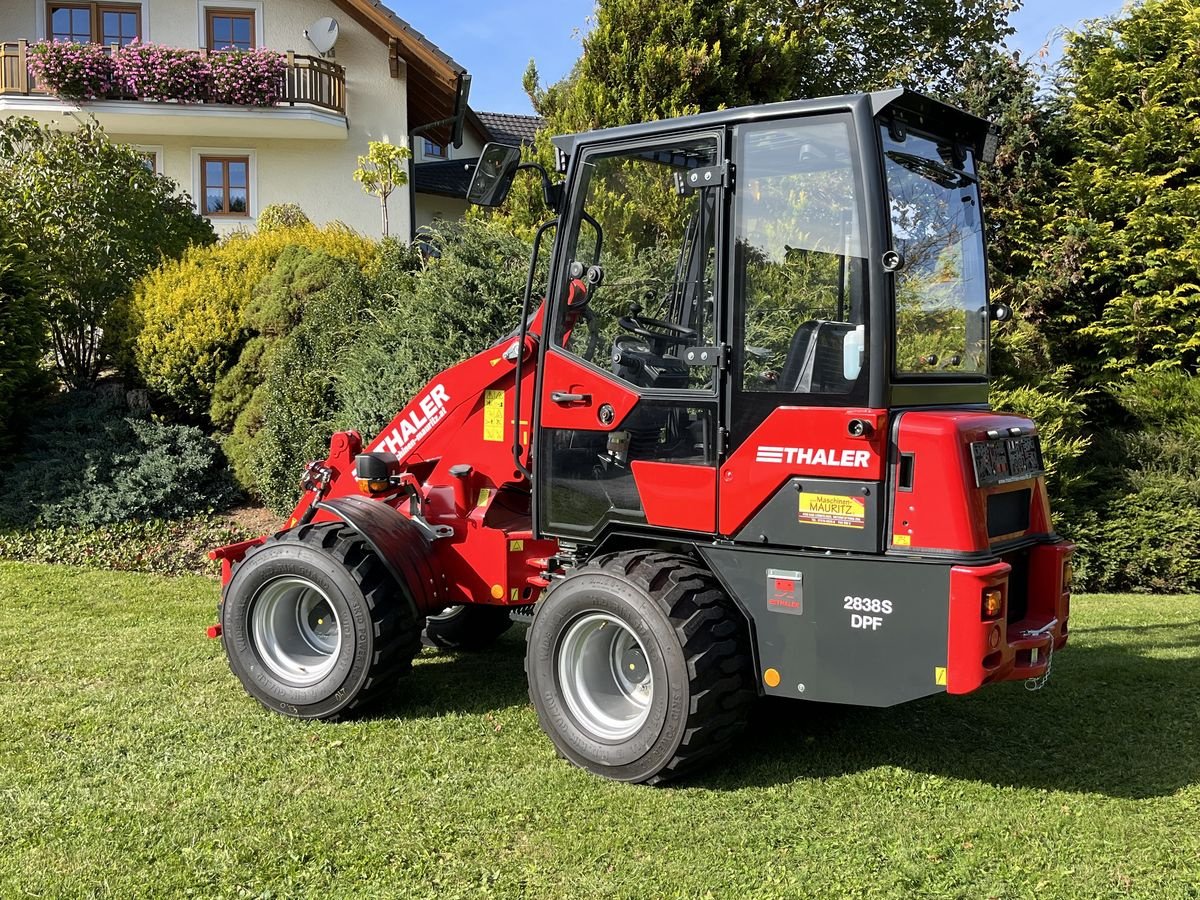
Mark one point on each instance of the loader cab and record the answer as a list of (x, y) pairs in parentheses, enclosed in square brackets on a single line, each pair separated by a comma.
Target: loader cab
[(711, 271)]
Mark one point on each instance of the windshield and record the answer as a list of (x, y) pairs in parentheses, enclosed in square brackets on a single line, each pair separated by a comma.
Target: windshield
[(941, 289)]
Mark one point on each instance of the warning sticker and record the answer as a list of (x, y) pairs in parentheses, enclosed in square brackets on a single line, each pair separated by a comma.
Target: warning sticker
[(785, 591), (493, 415), (939, 675), (833, 509)]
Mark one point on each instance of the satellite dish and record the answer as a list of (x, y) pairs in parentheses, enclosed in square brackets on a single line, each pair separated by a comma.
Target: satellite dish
[(323, 34)]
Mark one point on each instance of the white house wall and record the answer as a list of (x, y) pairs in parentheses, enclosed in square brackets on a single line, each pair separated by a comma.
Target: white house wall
[(316, 174)]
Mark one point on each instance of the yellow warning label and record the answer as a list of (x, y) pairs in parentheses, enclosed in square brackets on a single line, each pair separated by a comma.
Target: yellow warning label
[(493, 415), (833, 509), (939, 675), (485, 494), (514, 546), (512, 597), (902, 540)]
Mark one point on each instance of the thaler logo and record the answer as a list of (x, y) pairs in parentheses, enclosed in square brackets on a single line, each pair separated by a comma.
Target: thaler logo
[(418, 423), (807, 456)]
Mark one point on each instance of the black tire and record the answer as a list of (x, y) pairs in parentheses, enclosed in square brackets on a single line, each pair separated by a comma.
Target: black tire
[(467, 627), (375, 625), (691, 639)]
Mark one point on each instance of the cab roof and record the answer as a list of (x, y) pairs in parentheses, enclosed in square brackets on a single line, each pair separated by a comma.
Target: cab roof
[(915, 108)]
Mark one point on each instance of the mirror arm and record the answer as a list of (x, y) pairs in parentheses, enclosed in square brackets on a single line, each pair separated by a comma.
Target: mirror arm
[(551, 192), (522, 333)]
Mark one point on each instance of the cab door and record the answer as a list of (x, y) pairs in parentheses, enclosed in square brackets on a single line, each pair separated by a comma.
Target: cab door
[(628, 418)]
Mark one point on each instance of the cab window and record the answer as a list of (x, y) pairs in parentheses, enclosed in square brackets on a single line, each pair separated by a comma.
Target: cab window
[(641, 279), (801, 274)]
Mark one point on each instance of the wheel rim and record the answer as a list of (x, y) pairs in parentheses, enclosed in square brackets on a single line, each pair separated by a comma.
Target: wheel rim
[(296, 630), (604, 675)]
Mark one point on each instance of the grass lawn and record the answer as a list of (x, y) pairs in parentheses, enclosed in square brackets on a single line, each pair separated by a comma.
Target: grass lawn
[(131, 763)]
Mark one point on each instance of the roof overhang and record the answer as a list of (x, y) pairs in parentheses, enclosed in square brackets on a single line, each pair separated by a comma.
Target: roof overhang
[(431, 75)]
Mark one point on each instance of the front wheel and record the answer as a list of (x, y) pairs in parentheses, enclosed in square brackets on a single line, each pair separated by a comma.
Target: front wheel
[(639, 666), (314, 625)]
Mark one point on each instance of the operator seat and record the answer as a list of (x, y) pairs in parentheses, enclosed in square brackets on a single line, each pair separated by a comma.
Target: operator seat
[(814, 360)]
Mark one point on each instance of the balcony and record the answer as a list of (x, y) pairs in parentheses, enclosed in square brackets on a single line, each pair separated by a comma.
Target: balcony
[(310, 104)]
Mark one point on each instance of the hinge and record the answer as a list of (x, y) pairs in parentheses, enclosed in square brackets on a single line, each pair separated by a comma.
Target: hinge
[(716, 357), (707, 177), (722, 441)]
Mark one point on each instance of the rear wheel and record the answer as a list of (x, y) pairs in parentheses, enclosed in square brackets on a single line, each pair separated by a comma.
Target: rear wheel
[(313, 624), (467, 627), (639, 666)]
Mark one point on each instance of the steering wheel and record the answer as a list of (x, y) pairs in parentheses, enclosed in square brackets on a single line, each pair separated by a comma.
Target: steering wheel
[(657, 329)]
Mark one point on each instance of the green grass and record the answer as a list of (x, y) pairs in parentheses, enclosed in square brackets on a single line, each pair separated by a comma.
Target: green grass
[(131, 763)]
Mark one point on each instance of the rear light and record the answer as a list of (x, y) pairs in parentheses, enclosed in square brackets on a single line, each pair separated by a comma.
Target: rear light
[(1068, 574), (993, 603)]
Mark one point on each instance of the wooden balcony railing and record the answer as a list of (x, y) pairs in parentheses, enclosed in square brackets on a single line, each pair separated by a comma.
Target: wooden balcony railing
[(307, 80)]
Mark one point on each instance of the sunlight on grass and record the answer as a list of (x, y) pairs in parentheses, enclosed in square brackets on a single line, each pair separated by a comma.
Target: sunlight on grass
[(133, 764)]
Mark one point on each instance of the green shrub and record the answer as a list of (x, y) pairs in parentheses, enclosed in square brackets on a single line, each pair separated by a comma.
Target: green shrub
[(1143, 535), (158, 546), (368, 343), (23, 334), (1161, 400), (95, 220), (419, 324), (187, 316), (282, 215), (89, 460), (294, 409), (275, 308), (1138, 528)]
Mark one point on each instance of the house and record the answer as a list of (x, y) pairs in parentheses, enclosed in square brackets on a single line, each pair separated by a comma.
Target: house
[(380, 81), (442, 172)]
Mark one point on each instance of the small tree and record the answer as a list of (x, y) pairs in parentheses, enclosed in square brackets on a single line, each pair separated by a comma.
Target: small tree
[(381, 171), (94, 219)]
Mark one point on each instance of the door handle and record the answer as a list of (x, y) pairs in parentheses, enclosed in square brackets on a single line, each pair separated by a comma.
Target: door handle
[(562, 397)]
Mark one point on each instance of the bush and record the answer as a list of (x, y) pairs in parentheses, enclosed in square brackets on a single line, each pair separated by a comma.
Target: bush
[(459, 303), (158, 546), (23, 335), (366, 345), (1143, 536), (1138, 528), (94, 220), (301, 280), (187, 315), (282, 215), (91, 461)]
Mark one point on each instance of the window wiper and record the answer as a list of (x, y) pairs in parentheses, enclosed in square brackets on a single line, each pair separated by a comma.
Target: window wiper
[(937, 172)]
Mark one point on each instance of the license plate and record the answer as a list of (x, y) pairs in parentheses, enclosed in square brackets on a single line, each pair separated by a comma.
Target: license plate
[(1011, 459)]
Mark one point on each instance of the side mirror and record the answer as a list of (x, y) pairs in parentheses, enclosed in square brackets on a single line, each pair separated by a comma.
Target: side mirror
[(494, 174)]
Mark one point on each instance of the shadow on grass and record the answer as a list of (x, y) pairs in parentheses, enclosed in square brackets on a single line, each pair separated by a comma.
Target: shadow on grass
[(466, 683), (1110, 721)]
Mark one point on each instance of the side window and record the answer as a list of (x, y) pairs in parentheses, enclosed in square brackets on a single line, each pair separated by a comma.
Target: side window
[(800, 273), (654, 243)]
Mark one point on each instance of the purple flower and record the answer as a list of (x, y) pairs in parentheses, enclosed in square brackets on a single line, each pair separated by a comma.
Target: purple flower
[(153, 72)]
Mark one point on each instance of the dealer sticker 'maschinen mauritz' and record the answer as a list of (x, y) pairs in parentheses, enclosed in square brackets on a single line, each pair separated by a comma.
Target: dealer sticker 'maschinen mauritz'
[(833, 510)]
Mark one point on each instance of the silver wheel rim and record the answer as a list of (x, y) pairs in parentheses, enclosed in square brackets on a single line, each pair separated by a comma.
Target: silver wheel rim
[(295, 630), (604, 675)]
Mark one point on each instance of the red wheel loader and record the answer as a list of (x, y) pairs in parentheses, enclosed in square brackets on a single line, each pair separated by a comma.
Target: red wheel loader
[(738, 444)]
